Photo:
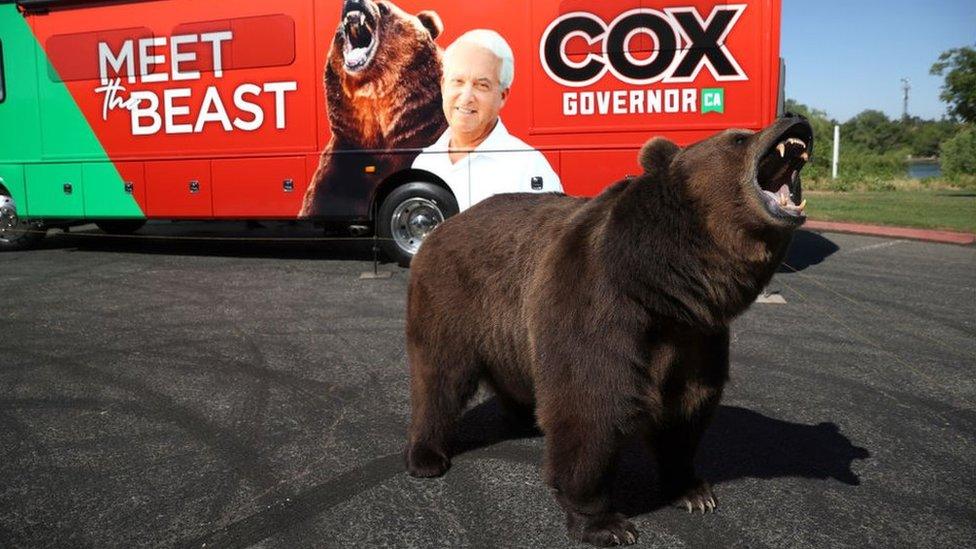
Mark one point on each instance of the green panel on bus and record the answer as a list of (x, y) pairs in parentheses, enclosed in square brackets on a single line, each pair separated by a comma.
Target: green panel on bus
[(20, 133), (56, 190), (67, 134), (105, 192), (35, 101)]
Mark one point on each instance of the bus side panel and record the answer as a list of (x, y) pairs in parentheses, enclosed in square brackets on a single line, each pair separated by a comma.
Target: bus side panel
[(259, 187), (587, 173), (66, 133), (20, 138), (20, 134), (56, 190), (771, 46), (114, 190), (267, 98), (223, 82), (179, 189), (256, 97), (47, 190)]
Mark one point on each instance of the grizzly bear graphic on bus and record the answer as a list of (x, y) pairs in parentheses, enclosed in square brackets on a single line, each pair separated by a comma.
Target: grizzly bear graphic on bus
[(382, 83)]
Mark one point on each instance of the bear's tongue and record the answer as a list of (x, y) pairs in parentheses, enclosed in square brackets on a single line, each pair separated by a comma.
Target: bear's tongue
[(781, 199)]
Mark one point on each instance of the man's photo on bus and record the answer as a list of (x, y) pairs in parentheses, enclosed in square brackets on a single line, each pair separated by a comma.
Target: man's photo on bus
[(476, 156)]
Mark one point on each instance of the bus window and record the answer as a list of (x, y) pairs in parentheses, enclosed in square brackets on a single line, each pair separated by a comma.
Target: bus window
[(3, 86), (250, 47), (75, 57)]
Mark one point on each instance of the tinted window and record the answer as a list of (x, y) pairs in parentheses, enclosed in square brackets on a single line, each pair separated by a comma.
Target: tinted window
[(258, 42), (3, 86)]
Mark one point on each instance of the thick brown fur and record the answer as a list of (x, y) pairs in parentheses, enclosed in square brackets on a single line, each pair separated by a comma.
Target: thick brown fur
[(393, 104), (609, 316)]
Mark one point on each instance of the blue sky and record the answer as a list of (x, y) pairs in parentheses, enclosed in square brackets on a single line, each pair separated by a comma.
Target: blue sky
[(847, 56)]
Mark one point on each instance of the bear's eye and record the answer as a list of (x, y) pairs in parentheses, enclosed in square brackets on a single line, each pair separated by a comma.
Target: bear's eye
[(740, 139)]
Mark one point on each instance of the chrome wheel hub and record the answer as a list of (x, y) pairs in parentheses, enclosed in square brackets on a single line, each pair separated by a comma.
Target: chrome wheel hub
[(412, 221), (8, 217)]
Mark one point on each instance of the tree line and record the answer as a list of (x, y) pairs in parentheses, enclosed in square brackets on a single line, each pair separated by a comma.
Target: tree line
[(875, 147)]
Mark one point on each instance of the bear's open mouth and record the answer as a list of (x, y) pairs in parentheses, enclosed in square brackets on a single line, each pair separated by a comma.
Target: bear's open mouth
[(359, 36), (778, 173)]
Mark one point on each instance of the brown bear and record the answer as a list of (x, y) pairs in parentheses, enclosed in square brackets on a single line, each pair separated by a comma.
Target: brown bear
[(382, 87), (609, 316)]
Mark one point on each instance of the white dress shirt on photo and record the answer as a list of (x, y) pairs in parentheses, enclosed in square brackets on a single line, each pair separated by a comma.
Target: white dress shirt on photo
[(502, 163)]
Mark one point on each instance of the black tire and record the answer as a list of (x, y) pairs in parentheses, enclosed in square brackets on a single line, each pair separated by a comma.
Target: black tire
[(17, 233), (120, 226), (408, 214)]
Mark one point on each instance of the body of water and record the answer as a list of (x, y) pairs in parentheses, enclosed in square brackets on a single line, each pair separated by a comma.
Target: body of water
[(923, 170)]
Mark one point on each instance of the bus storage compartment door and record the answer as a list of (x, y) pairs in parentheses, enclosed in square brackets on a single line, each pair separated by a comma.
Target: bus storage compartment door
[(55, 190), (179, 189), (114, 190), (259, 187)]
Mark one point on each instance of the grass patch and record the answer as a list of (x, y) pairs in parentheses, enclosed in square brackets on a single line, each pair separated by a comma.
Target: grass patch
[(953, 210), (965, 183)]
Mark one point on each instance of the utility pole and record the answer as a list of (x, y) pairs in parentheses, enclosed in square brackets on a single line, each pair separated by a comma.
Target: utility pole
[(906, 85)]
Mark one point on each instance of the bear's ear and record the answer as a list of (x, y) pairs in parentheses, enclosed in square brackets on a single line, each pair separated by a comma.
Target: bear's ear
[(432, 22), (657, 153)]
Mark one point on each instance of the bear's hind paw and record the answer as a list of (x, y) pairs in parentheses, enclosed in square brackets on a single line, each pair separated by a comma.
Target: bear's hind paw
[(698, 498), (424, 461), (610, 531)]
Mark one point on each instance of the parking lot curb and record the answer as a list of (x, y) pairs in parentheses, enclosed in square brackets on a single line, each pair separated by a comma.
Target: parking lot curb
[(928, 235)]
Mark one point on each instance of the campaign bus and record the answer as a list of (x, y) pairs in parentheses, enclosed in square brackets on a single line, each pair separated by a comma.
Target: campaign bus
[(119, 112)]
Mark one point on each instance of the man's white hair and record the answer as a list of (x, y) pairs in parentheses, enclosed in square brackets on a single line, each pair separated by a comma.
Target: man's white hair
[(493, 42)]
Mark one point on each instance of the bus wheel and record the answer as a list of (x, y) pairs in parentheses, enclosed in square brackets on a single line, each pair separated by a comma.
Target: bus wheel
[(16, 233), (121, 226), (408, 214)]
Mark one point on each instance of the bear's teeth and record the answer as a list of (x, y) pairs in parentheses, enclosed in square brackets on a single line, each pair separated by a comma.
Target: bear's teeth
[(783, 196), (782, 149), (795, 141)]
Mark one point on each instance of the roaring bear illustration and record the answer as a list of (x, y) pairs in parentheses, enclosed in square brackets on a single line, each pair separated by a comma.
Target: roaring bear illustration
[(382, 83), (607, 316)]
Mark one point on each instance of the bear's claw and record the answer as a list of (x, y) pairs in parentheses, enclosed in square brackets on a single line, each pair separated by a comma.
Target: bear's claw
[(612, 531), (698, 498), (425, 461)]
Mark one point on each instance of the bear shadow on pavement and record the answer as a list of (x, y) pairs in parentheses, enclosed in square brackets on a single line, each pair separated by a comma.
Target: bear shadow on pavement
[(740, 443), (287, 241), (807, 249)]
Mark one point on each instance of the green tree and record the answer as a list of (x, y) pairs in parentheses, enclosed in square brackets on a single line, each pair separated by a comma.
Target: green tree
[(873, 131), (959, 155), (959, 90), (925, 136)]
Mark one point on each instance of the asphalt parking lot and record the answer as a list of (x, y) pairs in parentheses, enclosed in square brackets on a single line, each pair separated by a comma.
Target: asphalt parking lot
[(197, 393)]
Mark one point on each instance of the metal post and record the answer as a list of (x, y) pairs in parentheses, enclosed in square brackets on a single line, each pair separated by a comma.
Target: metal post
[(836, 149), (376, 274), (376, 244)]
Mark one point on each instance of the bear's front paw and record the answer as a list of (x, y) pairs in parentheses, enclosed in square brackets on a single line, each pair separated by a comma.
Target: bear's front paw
[(425, 461), (698, 498), (609, 531)]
